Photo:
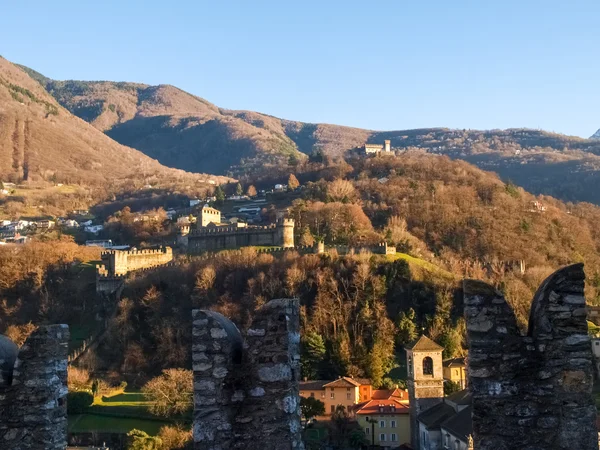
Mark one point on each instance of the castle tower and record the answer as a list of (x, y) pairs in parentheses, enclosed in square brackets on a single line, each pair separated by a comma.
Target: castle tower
[(425, 380), (285, 233), (387, 147)]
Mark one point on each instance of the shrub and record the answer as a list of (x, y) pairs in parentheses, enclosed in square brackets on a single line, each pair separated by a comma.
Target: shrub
[(78, 402)]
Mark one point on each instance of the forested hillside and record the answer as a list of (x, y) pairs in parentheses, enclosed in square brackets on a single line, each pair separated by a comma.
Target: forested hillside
[(447, 219)]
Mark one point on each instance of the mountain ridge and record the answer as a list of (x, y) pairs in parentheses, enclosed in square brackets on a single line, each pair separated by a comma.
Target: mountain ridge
[(183, 130)]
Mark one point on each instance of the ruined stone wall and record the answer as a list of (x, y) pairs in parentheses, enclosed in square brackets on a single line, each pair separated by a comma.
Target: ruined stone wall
[(531, 392), (33, 407), (246, 389)]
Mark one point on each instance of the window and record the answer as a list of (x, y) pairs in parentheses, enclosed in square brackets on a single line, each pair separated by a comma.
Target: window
[(332, 408), (393, 424), (393, 437), (382, 437), (312, 394), (348, 396), (323, 394), (382, 424), (427, 366), (367, 432), (457, 445), (456, 372), (333, 395), (348, 389)]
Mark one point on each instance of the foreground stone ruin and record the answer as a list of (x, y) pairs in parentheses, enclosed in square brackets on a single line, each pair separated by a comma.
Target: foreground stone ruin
[(33, 391), (531, 392), (246, 389)]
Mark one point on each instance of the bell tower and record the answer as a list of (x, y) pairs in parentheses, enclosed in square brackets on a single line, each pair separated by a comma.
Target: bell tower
[(425, 380)]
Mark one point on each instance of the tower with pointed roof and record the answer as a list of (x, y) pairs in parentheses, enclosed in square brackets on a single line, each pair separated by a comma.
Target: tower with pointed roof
[(425, 380)]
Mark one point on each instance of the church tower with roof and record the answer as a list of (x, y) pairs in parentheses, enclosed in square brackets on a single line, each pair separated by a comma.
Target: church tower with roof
[(425, 380)]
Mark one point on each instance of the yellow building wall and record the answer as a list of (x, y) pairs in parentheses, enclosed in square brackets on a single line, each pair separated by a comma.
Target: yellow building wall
[(402, 429), (341, 396), (456, 374)]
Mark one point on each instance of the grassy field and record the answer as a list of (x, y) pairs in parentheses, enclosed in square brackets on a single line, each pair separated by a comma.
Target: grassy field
[(85, 423), (422, 264), (118, 413)]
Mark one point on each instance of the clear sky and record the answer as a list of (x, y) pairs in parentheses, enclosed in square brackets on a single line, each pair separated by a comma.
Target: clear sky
[(375, 64)]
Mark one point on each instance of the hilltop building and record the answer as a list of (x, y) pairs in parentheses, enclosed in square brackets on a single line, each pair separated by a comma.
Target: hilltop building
[(377, 148)]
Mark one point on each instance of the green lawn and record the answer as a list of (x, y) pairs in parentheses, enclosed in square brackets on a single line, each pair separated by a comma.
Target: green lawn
[(411, 260), (83, 423)]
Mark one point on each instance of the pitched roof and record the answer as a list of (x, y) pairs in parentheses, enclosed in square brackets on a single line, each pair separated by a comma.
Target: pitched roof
[(460, 425), (460, 398), (424, 344), (313, 385), (455, 362), (383, 407), (434, 416), (343, 382), (385, 394)]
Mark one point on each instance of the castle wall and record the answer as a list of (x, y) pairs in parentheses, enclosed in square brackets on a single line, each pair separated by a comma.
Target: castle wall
[(33, 408), (531, 391), (222, 238), (246, 391), (119, 263)]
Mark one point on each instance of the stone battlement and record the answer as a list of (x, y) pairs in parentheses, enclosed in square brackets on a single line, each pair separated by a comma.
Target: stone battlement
[(159, 251), (33, 391), (532, 391), (246, 386), (117, 263)]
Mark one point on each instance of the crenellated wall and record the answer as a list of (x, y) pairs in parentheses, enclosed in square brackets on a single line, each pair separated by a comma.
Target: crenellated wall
[(119, 263), (533, 391), (33, 398), (246, 387), (230, 237)]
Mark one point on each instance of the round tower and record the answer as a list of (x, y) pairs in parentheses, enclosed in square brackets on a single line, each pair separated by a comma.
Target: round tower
[(285, 232)]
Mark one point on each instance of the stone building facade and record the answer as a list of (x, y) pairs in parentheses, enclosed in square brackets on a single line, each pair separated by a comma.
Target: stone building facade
[(246, 392), (280, 234), (33, 390), (376, 148), (532, 391), (425, 381)]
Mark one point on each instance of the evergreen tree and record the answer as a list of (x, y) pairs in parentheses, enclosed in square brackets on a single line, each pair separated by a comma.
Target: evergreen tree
[(238, 189), (313, 353), (219, 195), (407, 329)]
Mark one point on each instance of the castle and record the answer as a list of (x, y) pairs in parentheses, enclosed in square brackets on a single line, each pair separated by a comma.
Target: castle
[(376, 148), (214, 238)]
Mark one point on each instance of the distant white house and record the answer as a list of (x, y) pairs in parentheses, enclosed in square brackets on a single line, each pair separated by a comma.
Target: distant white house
[(94, 229), (280, 187), (70, 223), (194, 202)]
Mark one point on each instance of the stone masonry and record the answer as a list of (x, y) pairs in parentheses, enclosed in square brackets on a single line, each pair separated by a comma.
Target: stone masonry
[(531, 392), (33, 398), (246, 389)]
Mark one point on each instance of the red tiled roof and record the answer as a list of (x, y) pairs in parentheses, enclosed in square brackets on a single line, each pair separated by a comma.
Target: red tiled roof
[(383, 407), (386, 394)]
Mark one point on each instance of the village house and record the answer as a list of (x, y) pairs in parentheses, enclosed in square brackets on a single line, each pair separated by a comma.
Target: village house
[(447, 425), (386, 422), (345, 391), (455, 370)]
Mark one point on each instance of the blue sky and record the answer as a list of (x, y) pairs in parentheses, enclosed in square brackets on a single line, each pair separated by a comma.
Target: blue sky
[(378, 64)]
